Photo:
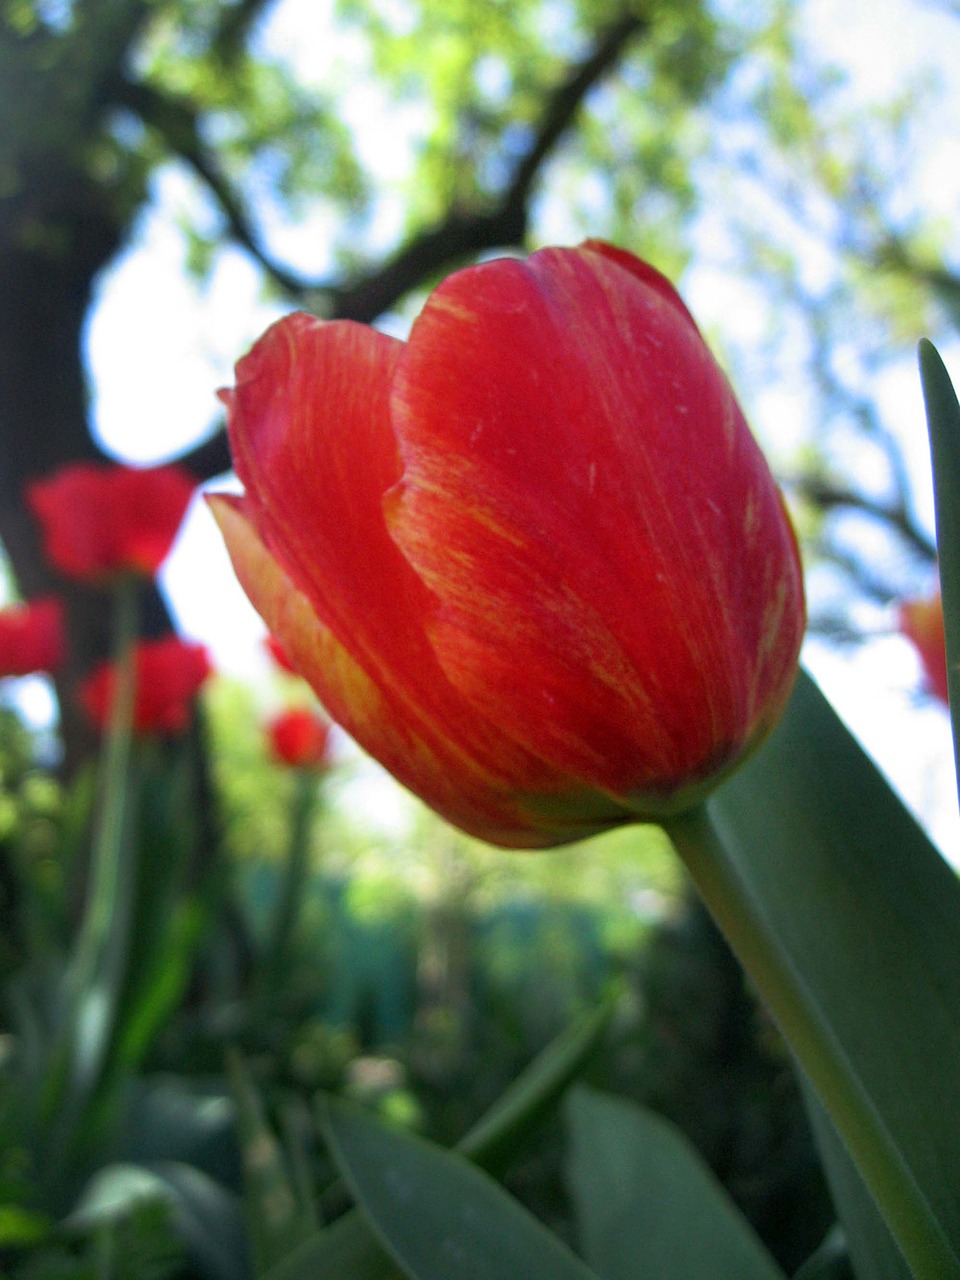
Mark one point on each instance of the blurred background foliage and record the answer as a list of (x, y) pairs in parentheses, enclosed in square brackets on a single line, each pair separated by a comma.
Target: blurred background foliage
[(344, 156)]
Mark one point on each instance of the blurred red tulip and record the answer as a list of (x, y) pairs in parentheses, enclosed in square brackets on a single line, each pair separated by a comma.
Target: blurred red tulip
[(532, 559), (170, 672), (299, 738), (922, 622), (32, 637), (103, 520)]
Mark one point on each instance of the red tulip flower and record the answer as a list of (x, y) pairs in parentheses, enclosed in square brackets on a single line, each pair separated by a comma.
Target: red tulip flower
[(169, 674), (99, 521), (532, 559), (32, 637), (299, 738), (921, 621)]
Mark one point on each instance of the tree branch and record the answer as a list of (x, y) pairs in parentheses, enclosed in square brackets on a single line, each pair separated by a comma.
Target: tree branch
[(233, 32), (460, 235), (827, 495), (457, 236), (177, 120), (566, 100)]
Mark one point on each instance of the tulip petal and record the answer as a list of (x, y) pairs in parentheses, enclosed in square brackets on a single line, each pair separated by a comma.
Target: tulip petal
[(391, 726), (559, 500), (312, 443)]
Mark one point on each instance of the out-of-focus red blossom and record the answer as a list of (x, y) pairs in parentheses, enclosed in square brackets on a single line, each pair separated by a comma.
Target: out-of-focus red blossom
[(532, 558), (99, 521), (32, 637), (279, 655), (299, 738), (170, 673), (921, 621)]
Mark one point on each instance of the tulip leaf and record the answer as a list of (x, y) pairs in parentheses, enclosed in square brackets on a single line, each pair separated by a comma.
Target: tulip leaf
[(203, 1215), (277, 1218), (349, 1247), (437, 1214), (943, 421), (495, 1137), (847, 919), (831, 1261), (646, 1202), (870, 1244)]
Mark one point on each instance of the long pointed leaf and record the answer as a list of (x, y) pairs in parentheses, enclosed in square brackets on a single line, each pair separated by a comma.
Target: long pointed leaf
[(647, 1204), (943, 421), (276, 1221), (869, 1242), (439, 1215), (861, 912), (349, 1247), (205, 1216)]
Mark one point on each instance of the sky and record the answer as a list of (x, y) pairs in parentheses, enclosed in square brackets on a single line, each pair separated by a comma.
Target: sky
[(156, 365)]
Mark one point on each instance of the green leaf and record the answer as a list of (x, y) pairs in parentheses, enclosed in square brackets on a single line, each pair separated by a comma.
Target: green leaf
[(204, 1216), (943, 421), (277, 1220), (851, 920), (646, 1202), (167, 924), (181, 1119), (21, 1227), (439, 1215), (870, 1243), (495, 1138), (830, 1262), (348, 1247)]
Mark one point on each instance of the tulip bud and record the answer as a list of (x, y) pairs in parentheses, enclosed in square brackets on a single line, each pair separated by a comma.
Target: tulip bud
[(532, 558), (169, 675), (100, 521), (299, 738), (921, 621), (32, 637)]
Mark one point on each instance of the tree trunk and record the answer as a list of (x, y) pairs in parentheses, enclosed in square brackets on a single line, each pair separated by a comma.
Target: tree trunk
[(48, 266)]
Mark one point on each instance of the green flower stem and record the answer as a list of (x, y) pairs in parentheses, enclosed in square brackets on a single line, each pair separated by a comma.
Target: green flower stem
[(794, 1006), (306, 795), (103, 941)]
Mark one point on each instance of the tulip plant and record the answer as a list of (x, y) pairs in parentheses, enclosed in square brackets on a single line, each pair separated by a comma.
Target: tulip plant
[(534, 562), (82, 1029)]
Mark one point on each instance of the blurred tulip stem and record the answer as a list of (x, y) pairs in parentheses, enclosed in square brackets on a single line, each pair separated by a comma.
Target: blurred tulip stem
[(294, 876), (741, 917), (99, 960)]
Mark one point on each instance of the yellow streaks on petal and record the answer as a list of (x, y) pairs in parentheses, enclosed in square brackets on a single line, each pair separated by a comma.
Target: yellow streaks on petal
[(421, 755), (291, 617)]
